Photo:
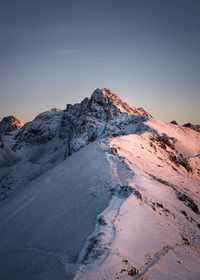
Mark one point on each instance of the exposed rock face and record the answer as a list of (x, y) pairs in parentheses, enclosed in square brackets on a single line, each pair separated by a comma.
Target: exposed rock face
[(104, 114), (192, 126), (10, 123), (104, 103), (174, 122), (52, 136), (41, 130), (56, 134), (144, 113)]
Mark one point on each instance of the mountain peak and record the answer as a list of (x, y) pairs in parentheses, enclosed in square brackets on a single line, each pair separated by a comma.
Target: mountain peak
[(10, 123), (106, 98), (104, 94), (104, 103), (103, 114)]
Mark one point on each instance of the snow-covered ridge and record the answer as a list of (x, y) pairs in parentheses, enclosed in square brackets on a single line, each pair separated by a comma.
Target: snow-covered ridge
[(112, 105), (192, 126), (99, 191), (56, 134), (156, 230), (102, 114), (195, 127)]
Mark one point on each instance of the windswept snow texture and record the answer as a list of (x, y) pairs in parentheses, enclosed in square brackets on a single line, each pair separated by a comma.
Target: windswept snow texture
[(100, 191), (157, 230), (43, 228)]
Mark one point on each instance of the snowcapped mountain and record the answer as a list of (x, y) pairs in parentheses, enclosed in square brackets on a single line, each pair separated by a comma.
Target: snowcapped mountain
[(101, 190), (54, 135)]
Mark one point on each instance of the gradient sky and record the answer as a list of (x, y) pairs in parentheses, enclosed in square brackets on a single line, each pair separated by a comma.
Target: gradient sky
[(54, 52)]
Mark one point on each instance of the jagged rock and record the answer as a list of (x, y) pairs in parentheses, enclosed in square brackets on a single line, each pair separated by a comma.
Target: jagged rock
[(144, 113), (9, 123), (192, 126), (56, 134), (164, 140), (119, 202), (189, 202), (41, 130), (104, 103), (104, 114), (174, 122)]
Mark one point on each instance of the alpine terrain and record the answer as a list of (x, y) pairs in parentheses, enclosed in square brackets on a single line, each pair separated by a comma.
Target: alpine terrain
[(99, 191)]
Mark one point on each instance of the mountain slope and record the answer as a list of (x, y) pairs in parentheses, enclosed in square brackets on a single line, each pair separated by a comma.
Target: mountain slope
[(100, 191), (46, 224), (157, 229), (55, 135)]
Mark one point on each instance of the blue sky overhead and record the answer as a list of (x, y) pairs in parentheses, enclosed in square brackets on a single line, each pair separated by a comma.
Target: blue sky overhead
[(57, 52)]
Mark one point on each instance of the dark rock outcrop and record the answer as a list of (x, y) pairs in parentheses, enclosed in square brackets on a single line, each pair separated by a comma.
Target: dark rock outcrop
[(192, 126), (9, 123), (174, 122)]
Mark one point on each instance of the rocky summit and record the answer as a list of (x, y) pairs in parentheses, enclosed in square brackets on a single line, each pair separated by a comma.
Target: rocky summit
[(9, 124), (100, 190), (101, 115)]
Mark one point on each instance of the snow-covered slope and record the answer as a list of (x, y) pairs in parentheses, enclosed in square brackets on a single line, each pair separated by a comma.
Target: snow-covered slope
[(44, 227), (102, 191), (157, 228), (54, 135), (192, 126)]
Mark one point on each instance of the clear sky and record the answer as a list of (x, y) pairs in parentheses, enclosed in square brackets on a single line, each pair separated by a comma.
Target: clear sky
[(54, 52)]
